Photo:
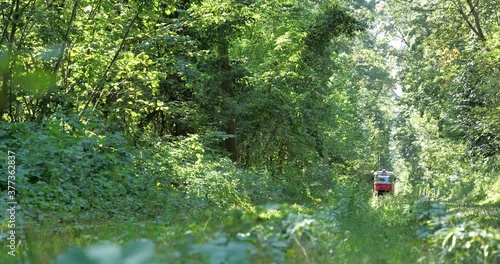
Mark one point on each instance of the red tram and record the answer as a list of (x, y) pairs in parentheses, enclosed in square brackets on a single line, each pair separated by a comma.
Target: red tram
[(383, 182)]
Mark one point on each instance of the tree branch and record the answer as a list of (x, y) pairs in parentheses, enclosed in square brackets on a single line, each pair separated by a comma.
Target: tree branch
[(66, 37), (100, 85), (8, 19), (460, 9), (479, 30)]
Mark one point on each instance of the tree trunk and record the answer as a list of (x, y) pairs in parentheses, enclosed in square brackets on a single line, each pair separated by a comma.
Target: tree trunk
[(6, 93), (230, 143), (326, 168)]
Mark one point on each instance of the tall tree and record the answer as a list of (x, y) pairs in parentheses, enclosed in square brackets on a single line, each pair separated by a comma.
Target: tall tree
[(218, 23), (448, 70)]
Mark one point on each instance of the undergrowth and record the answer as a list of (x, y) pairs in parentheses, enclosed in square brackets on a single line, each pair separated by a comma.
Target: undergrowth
[(87, 194)]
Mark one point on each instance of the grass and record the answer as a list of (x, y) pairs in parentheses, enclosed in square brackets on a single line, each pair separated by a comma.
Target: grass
[(367, 230), (373, 235)]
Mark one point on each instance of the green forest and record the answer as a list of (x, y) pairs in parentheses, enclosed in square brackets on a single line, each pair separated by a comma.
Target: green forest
[(249, 131)]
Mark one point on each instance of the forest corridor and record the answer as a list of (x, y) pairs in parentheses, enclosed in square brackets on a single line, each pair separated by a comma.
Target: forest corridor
[(249, 131)]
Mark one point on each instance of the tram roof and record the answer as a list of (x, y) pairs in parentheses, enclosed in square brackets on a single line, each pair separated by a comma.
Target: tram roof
[(387, 173)]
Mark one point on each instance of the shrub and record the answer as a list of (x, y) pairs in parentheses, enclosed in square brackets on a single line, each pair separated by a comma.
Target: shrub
[(457, 239)]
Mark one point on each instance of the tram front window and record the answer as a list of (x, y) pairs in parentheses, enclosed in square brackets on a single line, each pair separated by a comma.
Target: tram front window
[(383, 179)]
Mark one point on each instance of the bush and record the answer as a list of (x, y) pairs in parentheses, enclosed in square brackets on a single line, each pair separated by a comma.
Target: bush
[(64, 167), (457, 239), (71, 168)]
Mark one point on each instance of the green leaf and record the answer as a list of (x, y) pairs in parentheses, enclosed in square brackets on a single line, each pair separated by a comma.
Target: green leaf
[(73, 256), (35, 83), (140, 251), (104, 253)]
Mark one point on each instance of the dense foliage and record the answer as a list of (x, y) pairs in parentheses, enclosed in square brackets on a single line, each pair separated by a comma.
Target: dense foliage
[(247, 131)]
